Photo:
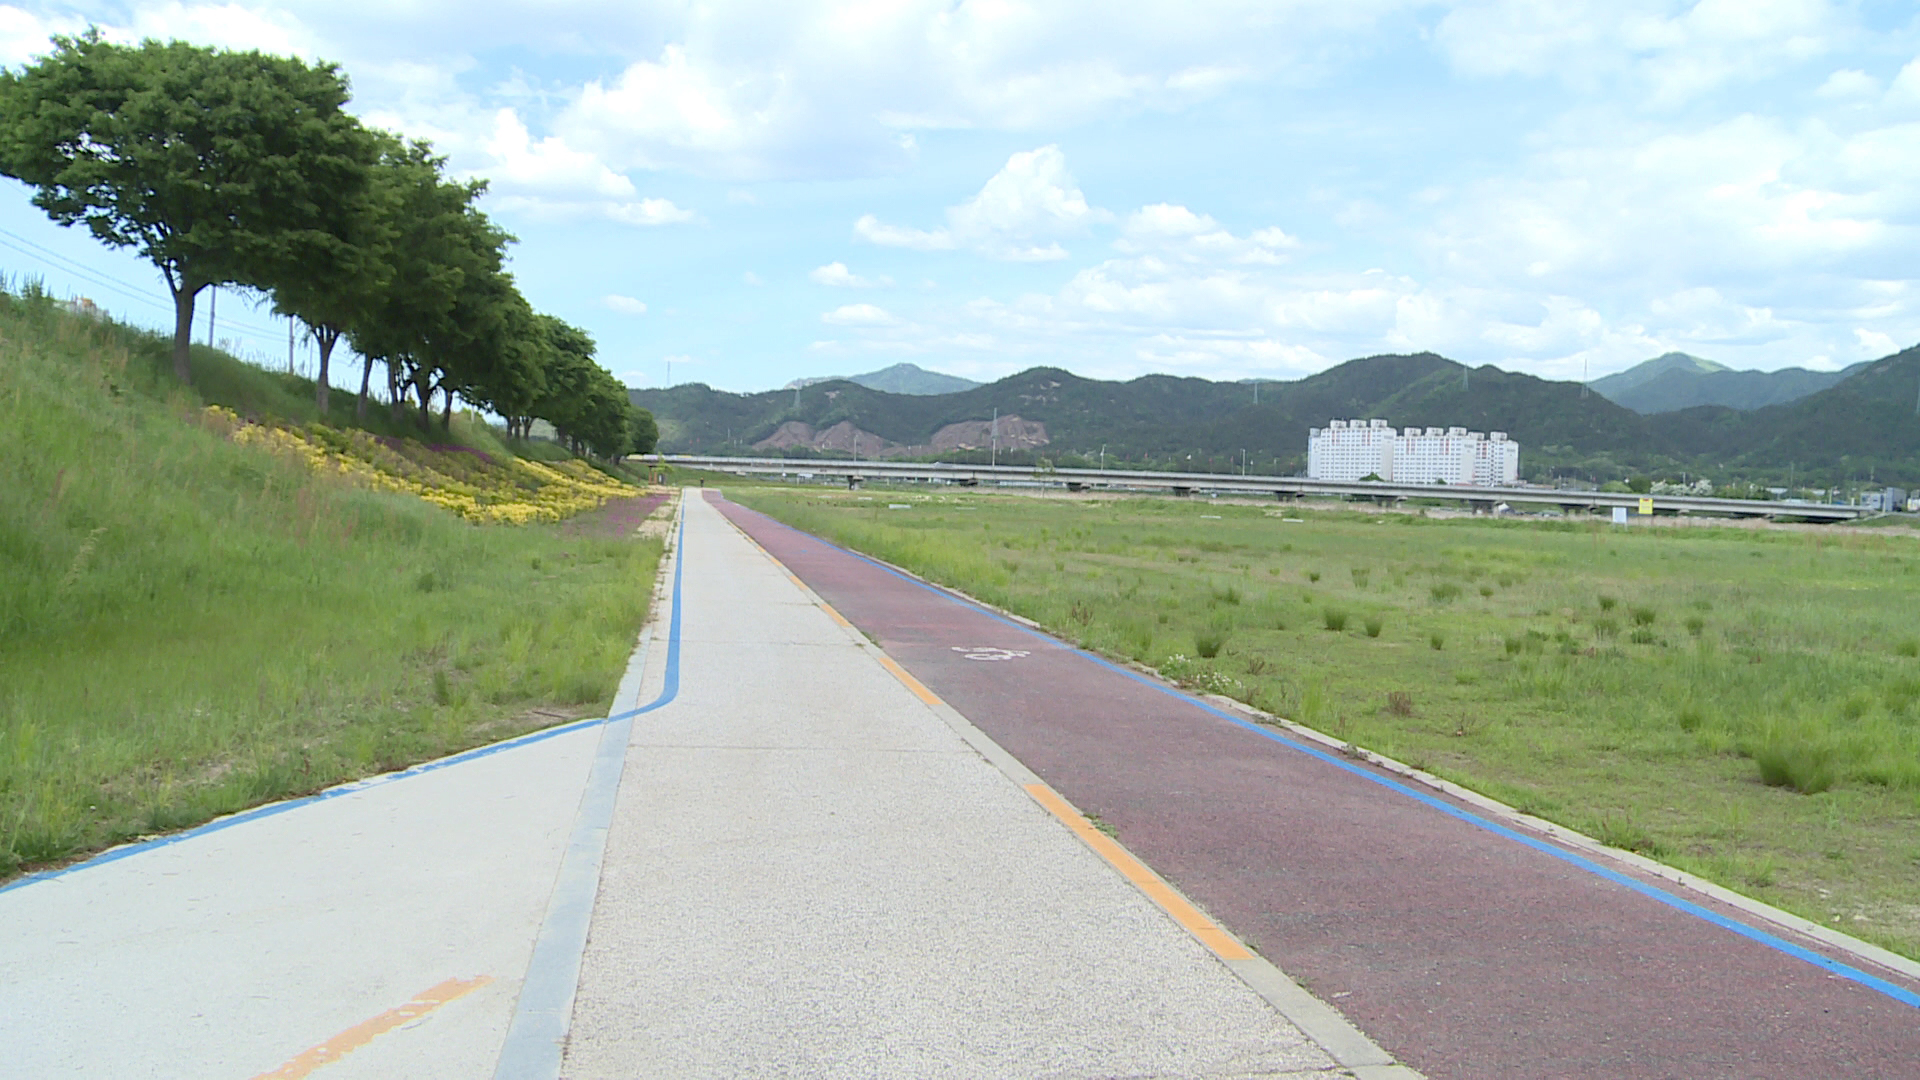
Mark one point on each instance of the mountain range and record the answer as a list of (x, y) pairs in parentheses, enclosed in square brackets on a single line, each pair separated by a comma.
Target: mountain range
[(1864, 425), (1676, 380)]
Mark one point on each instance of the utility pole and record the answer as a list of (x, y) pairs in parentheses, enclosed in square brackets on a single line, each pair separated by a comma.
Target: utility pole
[(1103, 455), (1256, 391), (1243, 461), (213, 305), (289, 344), (994, 457)]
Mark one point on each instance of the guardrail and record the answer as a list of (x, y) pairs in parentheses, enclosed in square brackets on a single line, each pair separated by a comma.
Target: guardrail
[(1284, 487)]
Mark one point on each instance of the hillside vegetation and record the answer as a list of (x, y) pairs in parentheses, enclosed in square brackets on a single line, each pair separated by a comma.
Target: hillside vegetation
[(191, 623), (1865, 425), (1679, 381)]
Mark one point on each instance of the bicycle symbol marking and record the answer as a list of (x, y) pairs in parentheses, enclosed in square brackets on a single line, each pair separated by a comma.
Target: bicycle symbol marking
[(990, 653)]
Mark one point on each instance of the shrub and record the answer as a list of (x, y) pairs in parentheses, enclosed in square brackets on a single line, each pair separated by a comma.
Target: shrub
[(1444, 592), (1373, 624), (1335, 619), (1313, 575), (1208, 643), (1437, 641), (1643, 616), (1607, 603), (1794, 759), (1486, 590), (1695, 625)]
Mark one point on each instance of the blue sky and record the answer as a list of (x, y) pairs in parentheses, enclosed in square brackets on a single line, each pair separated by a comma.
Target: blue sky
[(762, 191)]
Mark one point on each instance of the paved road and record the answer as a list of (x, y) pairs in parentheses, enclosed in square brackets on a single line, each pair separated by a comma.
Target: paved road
[(1467, 950), (810, 872)]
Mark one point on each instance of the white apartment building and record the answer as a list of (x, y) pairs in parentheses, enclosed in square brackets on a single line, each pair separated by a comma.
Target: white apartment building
[(1352, 449)]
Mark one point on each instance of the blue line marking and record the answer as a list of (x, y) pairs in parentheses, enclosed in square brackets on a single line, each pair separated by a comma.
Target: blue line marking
[(1893, 990), (536, 1037), (667, 694)]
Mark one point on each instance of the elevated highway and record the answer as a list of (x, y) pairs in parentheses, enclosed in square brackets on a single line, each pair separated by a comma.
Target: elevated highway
[(1282, 487)]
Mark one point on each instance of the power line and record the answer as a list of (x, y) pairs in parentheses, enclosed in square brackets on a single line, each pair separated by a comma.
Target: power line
[(95, 277)]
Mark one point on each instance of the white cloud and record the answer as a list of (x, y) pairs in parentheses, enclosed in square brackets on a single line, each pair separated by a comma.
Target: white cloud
[(751, 278), (1017, 215), (227, 26), (1848, 84), (649, 212), (1670, 57), (24, 34), (874, 231), (1177, 232), (836, 274), (625, 305), (858, 315), (548, 166)]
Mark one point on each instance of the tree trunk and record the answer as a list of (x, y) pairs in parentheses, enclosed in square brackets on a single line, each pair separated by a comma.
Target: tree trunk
[(393, 394), (366, 376), (182, 332), (325, 337), (446, 413)]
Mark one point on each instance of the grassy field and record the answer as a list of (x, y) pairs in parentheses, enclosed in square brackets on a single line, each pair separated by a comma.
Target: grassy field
[(1743, 703), (189, 625)]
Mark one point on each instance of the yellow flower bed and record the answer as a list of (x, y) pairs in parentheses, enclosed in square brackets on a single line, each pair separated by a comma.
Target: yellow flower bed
[(479, 488)]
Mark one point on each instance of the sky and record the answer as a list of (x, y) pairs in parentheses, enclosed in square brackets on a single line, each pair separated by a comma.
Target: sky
[(742, 194)]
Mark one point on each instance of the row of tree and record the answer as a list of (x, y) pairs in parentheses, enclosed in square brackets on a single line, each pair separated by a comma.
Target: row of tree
[(244, 169)]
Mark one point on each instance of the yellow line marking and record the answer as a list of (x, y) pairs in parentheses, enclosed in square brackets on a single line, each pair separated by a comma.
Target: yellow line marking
[(919, 689), (366, 1031), (1183, 912), (837, 617)]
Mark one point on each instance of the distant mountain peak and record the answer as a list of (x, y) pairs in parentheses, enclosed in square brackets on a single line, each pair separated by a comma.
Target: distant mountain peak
[(902, 378), (1677, 380)]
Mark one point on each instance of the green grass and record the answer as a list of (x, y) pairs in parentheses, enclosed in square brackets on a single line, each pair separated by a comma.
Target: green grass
[(1743, 703), (189, 627)]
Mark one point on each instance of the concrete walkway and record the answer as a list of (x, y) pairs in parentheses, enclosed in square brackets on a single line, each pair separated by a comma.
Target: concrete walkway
[(811, 872)]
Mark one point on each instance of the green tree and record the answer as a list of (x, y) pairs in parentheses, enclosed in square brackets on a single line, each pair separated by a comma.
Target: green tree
[(349, 270), (643, 433), (217, 167), (446, 288)]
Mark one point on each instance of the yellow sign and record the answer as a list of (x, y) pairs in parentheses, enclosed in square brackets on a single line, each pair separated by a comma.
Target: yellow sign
[(1646, 507)]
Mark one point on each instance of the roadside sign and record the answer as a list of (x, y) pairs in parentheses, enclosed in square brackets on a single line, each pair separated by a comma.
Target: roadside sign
[(1646, 507)]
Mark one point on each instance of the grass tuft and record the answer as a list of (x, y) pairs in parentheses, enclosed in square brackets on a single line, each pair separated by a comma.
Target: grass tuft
[(1334, 619)]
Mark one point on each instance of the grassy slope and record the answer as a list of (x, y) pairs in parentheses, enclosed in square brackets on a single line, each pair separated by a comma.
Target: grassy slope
[(1793, 649), (188, 627)]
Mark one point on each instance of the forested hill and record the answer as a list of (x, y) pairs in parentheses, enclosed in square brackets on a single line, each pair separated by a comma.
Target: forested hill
[(1866, 423)]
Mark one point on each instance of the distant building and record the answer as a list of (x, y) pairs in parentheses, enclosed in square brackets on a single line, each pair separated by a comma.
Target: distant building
[(1887, 500), (1356, 449)]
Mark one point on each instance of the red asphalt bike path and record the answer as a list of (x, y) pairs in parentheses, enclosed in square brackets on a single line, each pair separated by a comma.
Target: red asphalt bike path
[(1466, 947)]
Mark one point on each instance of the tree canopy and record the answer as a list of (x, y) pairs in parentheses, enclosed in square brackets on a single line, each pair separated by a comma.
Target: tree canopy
[(242, 168), (218, 167)]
